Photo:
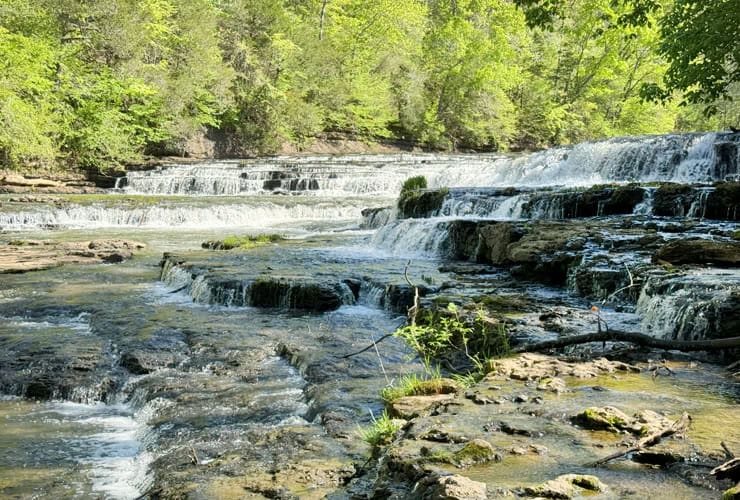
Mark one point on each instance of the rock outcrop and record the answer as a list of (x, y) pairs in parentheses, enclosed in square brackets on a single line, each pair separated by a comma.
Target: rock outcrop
[(22, 256)]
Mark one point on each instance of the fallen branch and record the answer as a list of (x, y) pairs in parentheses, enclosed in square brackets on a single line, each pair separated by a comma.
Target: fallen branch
[(411, 316), (375, 342), (413, 310), (728, 470), (635, 338), (680, 425), (728, 452)]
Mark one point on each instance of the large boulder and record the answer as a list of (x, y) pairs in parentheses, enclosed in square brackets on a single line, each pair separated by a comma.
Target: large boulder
[(495, 240), (593, 202), (419, 203), (673, 200), (721, 253), (451, 488), (724, 202)]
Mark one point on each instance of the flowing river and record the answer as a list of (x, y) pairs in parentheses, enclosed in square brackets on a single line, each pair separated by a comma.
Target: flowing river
[(181, 372)]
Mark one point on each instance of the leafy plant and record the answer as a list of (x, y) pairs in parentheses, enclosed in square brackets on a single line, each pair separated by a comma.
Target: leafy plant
[(414, 184), (381, 432)]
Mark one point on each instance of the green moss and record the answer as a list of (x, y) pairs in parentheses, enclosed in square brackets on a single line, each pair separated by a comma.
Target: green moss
[(602, 418), (413, 385), (420, 204), (474, 452), (735, 235), (591, 483), (732, 494), (242, 242), (504, 303)]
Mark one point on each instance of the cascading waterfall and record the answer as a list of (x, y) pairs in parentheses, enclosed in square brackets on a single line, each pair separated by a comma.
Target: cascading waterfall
[(678, 157)]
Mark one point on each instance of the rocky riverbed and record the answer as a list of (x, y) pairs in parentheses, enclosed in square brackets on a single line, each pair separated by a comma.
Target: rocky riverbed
[(189, 370)]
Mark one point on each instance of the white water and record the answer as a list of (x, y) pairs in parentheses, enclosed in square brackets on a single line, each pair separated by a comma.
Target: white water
[(265, 213), (688, 307), (679, 157), (105, 441)]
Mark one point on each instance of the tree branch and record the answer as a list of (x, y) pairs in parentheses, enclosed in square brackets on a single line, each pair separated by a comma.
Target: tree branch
[(680, 425), (635, 338)]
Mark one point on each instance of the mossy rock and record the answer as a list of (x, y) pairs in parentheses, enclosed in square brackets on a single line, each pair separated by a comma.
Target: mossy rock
[(436, 386), (241, 242), (477, 451), (567, 486), (505, 303), (607, 418), (672, 199), (420, 204)]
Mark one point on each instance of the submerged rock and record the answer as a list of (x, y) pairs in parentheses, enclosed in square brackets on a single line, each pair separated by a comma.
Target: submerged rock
[(612, 419)]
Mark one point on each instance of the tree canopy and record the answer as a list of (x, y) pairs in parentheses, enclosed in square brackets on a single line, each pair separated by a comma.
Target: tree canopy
[(102, 82)]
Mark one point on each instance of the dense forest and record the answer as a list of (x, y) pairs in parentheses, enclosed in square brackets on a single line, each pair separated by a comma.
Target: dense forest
[(103, 82)]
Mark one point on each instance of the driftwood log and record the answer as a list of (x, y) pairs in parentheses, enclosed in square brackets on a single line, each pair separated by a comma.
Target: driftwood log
[(680, 425), (635, 338), (728, 470)]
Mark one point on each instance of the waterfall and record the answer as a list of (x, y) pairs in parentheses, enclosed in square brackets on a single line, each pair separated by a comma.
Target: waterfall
[(419, 237), (701, 305), (257, 213), (676, 157)]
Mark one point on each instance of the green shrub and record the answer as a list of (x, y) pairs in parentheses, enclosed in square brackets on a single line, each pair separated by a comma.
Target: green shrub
[(414, 184)]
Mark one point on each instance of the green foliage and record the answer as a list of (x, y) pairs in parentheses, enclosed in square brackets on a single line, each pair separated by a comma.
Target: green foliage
[(437, 335), (382, 431), (100, 83), (414, 184), (242, 242)]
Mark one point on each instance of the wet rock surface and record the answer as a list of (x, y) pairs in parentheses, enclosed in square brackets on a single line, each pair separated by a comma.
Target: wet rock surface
[(240, 367), (21, 256), (493, 443)]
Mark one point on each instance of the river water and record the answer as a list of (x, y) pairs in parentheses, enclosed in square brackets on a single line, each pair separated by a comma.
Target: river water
[(219, 379)]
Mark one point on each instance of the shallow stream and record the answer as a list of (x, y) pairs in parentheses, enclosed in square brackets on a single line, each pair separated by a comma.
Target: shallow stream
[(141, 381)]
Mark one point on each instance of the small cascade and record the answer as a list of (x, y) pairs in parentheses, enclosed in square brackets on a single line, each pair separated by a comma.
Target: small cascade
[(371, 294), (105, 444), (257, 213), (418, 237), (264, 292), (698, 208), (645, 207), (511, 208), (701, 305), (699, 164), (473, 202), (374, 218), (545, 207)]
